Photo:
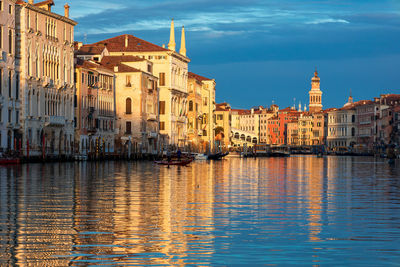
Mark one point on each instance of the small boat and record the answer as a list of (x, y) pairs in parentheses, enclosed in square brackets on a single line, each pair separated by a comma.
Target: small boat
[(199, 156), (217, 156), (182, 162), (9, 161)]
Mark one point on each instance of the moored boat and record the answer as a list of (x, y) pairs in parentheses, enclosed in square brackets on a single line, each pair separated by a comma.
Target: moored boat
[(9, 161), (183, 162)]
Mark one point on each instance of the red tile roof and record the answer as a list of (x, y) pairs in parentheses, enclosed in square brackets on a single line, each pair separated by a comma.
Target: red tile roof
[(117, 44), (89, 65), (47, 2), (90, 50), (113, 61), (197, 77)]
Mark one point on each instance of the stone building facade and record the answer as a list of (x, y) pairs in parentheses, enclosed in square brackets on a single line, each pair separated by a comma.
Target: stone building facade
[(46, 52), (171, 68), (137, 98), (94, 103), (10, 98)]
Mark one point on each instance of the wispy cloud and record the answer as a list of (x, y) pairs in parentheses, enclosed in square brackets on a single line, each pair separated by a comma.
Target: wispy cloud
[(329, 20)]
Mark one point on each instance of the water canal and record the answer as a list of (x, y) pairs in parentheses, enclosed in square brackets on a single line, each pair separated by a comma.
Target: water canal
[(279, 211)]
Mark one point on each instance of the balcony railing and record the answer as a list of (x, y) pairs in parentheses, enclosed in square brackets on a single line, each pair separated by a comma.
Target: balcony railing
[(151, 117), (55, 121)]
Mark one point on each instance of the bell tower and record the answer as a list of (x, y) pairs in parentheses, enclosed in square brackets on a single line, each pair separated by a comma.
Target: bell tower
[(315, 94)]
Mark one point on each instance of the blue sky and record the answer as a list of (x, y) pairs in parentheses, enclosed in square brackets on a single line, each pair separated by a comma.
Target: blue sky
[(265, 51)]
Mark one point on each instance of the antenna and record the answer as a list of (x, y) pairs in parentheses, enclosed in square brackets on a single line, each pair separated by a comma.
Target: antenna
[(85, 38)]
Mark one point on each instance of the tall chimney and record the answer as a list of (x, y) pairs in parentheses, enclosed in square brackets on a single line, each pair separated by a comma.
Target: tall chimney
[(126, 41), (66, 10), (31, 2)]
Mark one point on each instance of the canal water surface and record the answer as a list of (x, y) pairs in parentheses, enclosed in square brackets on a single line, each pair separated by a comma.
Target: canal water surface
[(277, 211)]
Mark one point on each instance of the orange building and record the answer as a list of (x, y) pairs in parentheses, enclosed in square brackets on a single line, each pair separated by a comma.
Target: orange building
[(277, 126)]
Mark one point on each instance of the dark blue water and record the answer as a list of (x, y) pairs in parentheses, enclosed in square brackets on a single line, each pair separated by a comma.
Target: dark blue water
[(290, 211)]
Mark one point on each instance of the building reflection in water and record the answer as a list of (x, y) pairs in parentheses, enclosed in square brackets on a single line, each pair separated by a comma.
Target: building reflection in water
[(36, 215), (137, 213)]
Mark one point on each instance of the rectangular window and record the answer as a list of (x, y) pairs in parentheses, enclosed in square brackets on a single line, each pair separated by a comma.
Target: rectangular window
[(17, 86), (1, 36), (128, 127), (220, 117), (204, 132), (128, 81), (162, 125), (1, 5), (162, 107), (10, 42), (10, 9), (17, 117), (1, 115), (75, 101), (9, 116), (1, 81), (162, 79), (9, 84)]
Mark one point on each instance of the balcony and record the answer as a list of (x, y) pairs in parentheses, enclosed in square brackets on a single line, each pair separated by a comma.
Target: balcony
[(47, 82), (181, 119), (151, 117), (92, 130), (56, 121), (152, 134)]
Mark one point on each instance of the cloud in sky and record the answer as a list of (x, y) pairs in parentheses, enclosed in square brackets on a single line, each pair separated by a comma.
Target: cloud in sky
[(221, 32), (320, 21)]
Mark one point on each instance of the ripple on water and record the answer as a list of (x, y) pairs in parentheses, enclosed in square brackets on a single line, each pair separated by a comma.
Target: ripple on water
[(299, 210)]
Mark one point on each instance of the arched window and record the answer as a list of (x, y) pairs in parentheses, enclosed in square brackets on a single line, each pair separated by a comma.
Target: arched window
[(128, 106), (190, 105)]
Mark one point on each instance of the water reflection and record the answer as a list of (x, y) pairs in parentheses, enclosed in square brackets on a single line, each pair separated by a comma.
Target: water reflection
[(297, 210)]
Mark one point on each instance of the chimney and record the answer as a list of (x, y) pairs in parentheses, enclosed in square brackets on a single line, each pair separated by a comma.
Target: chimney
[(31, 2), (115, 68), (80, 45), (163, 45), (66, 10), (126, 41)]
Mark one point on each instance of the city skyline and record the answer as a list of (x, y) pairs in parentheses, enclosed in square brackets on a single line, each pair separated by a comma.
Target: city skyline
[(267, 49)]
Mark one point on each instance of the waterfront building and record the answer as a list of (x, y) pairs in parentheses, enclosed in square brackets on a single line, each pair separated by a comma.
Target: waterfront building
[(46, 75), (94, 109), (207, 89), (385, 106), (366, 117), (195, 112), (315, 94), (10, 103), (342, 127), (395, 137), (305, 129), (137, 98), (223, 125), (318, 128), (264, 115), (293, 133), (277, 125), (171, 68)]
